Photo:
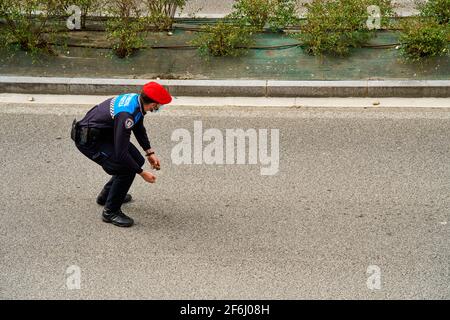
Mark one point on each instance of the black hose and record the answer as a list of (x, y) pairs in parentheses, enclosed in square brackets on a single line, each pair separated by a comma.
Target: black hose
[(190, 47)]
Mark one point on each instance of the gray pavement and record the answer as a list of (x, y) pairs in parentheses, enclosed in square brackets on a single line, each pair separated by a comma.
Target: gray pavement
[(355, 188), (218, 8)]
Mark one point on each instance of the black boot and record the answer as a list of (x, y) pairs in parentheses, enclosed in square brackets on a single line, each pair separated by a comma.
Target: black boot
[(101, 199), (117, 218)]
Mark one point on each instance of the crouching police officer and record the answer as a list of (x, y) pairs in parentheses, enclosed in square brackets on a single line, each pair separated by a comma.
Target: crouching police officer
[(103, 136)]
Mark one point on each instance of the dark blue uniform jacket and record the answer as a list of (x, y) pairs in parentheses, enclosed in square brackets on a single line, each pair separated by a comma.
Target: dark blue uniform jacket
[(117, 117)]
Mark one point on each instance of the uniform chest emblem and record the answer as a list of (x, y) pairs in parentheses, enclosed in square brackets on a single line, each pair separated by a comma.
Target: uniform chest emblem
[(129, 123)]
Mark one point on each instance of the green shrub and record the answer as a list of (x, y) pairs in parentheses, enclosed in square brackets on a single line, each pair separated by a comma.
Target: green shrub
[(223, 39), (27, 24), (334, 26), (436, 9), (161, 13), (126, 27), (257, 13), (284, 15), (423, 38)]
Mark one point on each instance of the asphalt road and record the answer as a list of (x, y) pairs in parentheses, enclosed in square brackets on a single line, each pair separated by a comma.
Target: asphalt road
[(355, 188)]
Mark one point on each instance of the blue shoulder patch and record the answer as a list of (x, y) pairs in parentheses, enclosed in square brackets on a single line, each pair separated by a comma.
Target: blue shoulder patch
[(126, 103)]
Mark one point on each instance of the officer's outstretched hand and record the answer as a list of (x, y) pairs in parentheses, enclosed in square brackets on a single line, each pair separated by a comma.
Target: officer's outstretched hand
[(148, 176), (154, 161)]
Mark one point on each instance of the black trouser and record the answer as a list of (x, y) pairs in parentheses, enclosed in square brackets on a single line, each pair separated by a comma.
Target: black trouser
[(102, 153)]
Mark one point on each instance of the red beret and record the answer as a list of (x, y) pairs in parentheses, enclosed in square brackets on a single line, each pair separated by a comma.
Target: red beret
[(157, 93)]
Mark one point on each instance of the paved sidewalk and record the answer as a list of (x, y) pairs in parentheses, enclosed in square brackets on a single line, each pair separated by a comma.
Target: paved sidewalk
[(219, 8), (30, 100)]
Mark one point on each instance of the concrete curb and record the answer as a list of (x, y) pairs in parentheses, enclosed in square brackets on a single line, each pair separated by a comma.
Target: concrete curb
[(230, 88)]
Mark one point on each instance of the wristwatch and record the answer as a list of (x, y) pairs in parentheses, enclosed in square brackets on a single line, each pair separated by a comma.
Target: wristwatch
[(149, 154)]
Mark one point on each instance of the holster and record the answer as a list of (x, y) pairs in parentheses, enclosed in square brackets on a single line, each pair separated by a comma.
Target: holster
[(73, 132), (84, 136)]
